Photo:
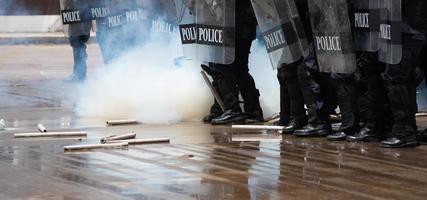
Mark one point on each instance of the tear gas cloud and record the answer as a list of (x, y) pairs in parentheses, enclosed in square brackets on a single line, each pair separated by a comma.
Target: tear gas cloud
[(144, 83), (142, 80)]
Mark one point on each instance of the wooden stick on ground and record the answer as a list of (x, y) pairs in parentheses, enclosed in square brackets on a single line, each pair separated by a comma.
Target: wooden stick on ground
[(94, 146), (51, 134), (140, 141), (121, 122), (258, 127), (118, 137)]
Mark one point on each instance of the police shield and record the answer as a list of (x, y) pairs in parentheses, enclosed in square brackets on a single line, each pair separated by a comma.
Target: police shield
[(161, 17), (76, 17), (207, 29), (332, 34), (216, 30), (365, 19), (390, 51), (282, 30), (122, 13), (186, 16)]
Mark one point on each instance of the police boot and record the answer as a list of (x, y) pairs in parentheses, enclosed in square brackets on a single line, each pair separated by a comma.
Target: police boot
[(317, 126), (229, 117), (400, 141), (214, 113), (364, 135), (341, 135), (293, 125), (403, 132)]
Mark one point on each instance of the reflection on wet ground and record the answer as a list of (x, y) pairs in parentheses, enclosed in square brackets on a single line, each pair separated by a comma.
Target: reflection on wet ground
[(202, 161)]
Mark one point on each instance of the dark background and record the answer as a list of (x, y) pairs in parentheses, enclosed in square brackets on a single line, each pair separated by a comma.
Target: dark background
[(29, 7)]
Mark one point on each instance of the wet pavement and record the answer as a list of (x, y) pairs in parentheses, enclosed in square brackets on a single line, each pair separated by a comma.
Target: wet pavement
[(201, 162)]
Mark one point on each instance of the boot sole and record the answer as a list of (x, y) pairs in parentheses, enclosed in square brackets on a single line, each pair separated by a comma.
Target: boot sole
[(367, 139), (238, 120), (319, 133), (408, 144)]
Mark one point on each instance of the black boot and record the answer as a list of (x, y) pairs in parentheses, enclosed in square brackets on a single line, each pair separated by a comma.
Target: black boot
[(210, 117), (229, 117), (338, 136), (292, 126), (364, 135), (312, 130), (400, 142)]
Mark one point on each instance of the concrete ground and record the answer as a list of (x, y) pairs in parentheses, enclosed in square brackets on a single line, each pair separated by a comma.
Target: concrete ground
[(201, 162)]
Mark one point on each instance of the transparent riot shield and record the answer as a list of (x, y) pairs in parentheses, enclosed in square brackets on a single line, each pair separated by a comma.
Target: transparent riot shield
[(365, 19), (282, 30), (215, 21), (332, 34), (161, 17), (390, 51), (76, 17), (186, 14)]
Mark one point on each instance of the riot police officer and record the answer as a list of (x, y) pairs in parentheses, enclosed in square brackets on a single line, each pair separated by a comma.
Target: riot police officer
[(399, 78), (235, 78), (304, 83), (79, 34)]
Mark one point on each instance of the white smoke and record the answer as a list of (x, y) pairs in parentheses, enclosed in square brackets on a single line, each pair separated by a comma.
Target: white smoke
[(265, 79), (146, 85)]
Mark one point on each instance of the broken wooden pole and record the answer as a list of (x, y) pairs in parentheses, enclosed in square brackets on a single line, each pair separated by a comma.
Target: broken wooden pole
[(121, 122), (258, 127), (140, 141), (94, 146), (41, 128), (51, 134), (118, 137)]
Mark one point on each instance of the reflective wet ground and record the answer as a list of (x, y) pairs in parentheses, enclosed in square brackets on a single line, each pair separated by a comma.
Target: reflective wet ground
[(201, 162)]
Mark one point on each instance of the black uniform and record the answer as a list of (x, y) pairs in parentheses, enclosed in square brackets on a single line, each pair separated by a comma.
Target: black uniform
[(345, 87), (234, 78), (298, 79), (400, 78), (377, 120)]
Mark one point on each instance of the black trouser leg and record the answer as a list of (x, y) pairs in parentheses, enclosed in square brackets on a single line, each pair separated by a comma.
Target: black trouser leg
[(227, 88), (285, 101), (399, 87), (105, 46), (290, 74), (311, 93), (78, 43), (376, 93), (347, 101), (245, 81)]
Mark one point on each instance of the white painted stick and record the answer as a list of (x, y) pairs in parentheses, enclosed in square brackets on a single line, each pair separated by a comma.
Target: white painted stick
[(94, 146), (258, 127), (51, 134), (41, 128), (421, 114), (121, 122), (256, 138), (140, 141), (118, 137)]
